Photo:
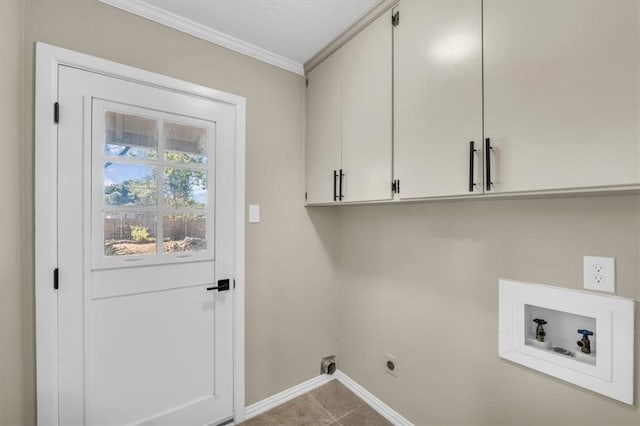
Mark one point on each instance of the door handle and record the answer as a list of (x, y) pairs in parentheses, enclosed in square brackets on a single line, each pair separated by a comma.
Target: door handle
[(223, 285), (335, 185), (340, 197)]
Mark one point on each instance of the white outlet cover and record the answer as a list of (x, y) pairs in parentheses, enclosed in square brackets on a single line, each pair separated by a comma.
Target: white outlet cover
[(600, 273)]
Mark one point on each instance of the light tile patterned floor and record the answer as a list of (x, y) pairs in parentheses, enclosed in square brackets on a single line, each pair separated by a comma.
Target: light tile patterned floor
[(331, 404)]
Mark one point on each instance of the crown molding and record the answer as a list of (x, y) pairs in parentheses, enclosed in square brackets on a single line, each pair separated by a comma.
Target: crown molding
[(352, 31), (161, 16)]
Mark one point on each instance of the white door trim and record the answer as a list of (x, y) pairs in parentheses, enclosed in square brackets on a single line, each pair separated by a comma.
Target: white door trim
[(48, 58)]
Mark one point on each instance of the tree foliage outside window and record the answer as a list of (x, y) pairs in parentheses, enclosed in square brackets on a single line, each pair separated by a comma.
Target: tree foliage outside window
[(141, 192), (179, 186), (179, 183)]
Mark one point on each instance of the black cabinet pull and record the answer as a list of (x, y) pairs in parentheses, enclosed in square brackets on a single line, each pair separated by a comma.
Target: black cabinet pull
[(335, 183), (487, 156), (472, 154), (340, 197)]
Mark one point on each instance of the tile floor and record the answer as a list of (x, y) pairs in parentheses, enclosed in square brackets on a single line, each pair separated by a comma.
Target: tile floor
[(331, 404)]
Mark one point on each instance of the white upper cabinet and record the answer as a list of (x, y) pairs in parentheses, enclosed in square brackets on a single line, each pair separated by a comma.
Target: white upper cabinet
[(562, 93), (366, 112), (349, 120), (438, 98), (324, 118), (489, 97)]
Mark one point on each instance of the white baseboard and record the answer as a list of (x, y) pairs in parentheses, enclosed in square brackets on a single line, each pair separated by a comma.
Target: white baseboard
[(286, 395), (373, 401), (295, 391)]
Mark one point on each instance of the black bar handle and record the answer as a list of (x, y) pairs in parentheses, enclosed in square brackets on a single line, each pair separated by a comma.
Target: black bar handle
[(472, 154), (335, 183), (487, 156), (223, 285), (341, 176)]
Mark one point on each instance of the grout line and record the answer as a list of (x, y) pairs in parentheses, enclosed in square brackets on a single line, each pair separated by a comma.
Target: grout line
[(322, 406), (352, 411), (337, 419)]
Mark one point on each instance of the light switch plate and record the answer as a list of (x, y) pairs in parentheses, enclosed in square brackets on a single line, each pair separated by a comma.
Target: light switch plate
[(600, 273), (254, 213)]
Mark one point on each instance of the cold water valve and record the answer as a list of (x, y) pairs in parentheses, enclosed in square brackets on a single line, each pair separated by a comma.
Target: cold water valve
[(585, 343)]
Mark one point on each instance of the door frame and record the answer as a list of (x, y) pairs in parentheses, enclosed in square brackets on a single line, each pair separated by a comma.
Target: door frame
[(48, 59)]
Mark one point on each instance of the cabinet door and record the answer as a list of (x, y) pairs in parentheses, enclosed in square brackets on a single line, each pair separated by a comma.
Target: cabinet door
[(438, 97), (323, 129), (561, 86), (366, 112)]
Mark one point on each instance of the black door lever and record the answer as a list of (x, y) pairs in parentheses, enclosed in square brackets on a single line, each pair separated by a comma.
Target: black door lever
[(223, 285)]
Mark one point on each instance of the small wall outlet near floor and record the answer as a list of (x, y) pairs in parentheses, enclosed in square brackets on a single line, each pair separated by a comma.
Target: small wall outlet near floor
[(600, 273), (391, 365)]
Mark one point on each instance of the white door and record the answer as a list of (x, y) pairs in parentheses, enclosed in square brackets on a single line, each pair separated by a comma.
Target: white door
[(145, 229)]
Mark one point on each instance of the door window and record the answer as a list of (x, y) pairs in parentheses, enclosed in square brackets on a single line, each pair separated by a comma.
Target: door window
[(154, 172)]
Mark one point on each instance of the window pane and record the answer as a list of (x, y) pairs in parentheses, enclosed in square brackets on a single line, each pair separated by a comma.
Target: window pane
[(185, 144), (185, 188), (129, 184), (130, 136), (127, 233), (184, 232)]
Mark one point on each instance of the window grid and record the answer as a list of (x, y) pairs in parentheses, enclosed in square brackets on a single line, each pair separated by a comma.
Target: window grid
[(161, 164)]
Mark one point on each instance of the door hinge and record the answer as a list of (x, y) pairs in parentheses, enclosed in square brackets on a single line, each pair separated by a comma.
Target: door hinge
[(395, 186), (56, 112), (395, 19), (55, 279), (307, 82)]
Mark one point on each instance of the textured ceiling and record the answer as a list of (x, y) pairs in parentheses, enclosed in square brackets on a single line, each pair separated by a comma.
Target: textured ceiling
[(294, 29)]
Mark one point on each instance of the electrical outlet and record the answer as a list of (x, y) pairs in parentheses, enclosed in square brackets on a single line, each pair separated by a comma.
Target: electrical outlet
[(600, 273), (391, 365)]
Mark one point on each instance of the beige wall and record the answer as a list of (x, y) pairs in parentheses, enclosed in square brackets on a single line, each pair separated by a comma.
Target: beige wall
[(289, 268), (420, 282), (13, 366)]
